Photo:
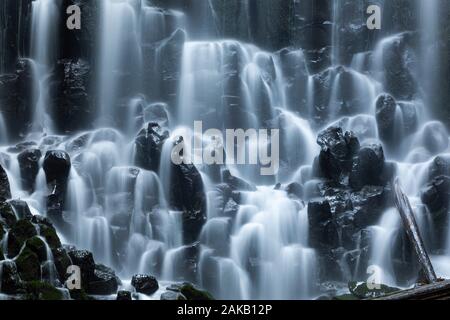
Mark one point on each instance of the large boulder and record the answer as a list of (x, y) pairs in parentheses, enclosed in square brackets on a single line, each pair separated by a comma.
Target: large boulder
[(57, 167), (104, 281), (145, 284), (85, 260)]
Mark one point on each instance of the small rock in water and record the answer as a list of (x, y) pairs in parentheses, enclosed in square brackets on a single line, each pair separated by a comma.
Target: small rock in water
[(145, 284), (124, 295)]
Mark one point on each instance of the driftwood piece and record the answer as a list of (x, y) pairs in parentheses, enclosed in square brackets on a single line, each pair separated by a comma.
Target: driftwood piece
[(436, 291), (412, 230)]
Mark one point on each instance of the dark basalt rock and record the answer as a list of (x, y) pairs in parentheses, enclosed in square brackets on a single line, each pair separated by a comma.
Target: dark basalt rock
[(29, 167), (338, 150), (21, 208), (57, 167), (10, 280), (436, 195), (5, 191), (123, 295), (41, 290), (62, 262), (19, 233), (28, 265), (104, 281), (440, 166), (7, 215), (145, 284), (368, 167), (398, 58), (385, 115), (17, 91), (190, 291), (76, 44), (37, 246), (149, 144), (70, 101), (172, 296), (187, 195), (295, 189), (236, 183), (85, 260)]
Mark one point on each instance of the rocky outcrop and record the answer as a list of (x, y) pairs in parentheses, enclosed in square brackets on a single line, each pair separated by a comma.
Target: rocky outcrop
[(354, 192)]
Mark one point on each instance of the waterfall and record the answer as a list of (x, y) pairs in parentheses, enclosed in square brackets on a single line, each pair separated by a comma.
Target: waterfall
[(45, 15), (158, 67)]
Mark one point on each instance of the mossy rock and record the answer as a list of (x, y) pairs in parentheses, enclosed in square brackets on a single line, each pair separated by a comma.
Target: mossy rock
[(28, 265), (2, 256), (361, 290), (50, 235), (80, 295), (40, 290), (191, 292), (62, 262), (7, 214), (19, 233), (36, 245)]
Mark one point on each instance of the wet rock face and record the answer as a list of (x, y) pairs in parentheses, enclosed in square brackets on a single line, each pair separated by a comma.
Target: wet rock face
[(398, 60), (14, 32), (70, 97), (145, 284), (104, 281), (10, 281), (187, 194), (57, 167), (17, 93), (338, 150), (149, 144), (385, 114), (81, 43), (5, 191), (29, 167), (352, 195), (85, 260)]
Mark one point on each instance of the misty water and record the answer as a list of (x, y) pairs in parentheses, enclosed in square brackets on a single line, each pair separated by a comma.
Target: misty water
[(262, 250)]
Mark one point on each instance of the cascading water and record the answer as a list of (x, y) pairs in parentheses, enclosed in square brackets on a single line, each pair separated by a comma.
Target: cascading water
[(43, 52), (157, 71)]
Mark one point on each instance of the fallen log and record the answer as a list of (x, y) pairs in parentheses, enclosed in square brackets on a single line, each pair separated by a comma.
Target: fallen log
[(436, 291), (404, 207)]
